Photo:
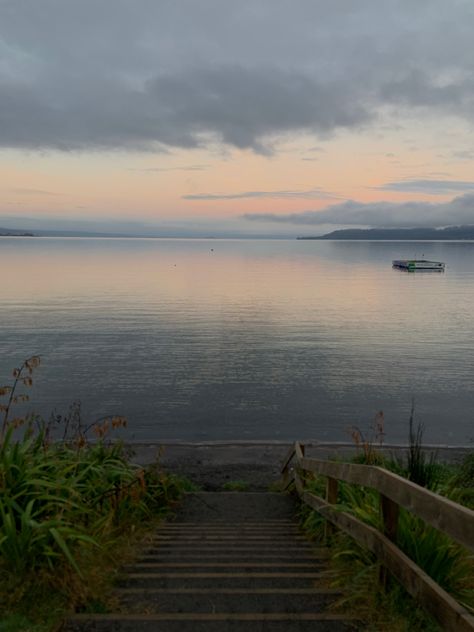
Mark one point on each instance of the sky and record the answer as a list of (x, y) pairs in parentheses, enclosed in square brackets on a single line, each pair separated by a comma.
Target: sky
[(257, 117)]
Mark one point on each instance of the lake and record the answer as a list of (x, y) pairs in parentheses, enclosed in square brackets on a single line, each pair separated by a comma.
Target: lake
[(243, 339)]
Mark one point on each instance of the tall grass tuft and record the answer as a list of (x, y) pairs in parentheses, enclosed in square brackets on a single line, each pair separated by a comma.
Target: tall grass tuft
[(420, 470), (357, 570), (64, 501), (369, 443)]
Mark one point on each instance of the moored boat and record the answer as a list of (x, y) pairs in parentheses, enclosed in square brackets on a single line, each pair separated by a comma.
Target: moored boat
[(418, 264)]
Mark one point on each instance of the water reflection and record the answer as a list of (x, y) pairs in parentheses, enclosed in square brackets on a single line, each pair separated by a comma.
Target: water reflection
[(240, 339)]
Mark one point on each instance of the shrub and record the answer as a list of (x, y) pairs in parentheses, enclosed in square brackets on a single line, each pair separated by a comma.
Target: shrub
[(63, 501)]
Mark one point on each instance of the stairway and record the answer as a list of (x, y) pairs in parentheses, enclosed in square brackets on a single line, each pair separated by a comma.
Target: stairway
[(229, 562)]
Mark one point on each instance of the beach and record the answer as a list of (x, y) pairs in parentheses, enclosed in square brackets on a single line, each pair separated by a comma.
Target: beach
[(255, 464)]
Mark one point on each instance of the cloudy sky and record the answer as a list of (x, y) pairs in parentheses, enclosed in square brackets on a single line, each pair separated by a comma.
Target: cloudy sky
[(254, 117)]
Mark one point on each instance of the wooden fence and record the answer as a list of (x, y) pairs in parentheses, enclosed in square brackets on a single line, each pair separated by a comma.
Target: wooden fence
[(448, 517)]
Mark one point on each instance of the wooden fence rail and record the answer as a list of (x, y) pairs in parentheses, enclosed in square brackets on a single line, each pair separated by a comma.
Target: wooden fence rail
[(448, 517)]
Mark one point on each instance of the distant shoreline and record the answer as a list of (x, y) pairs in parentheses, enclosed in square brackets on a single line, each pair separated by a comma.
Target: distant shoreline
[(213, 464), (410, 235), (17, 235), (239, 238), (450, 233), (266, 452)]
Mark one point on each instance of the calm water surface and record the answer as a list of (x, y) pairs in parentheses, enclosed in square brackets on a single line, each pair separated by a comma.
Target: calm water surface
[(222, 339)]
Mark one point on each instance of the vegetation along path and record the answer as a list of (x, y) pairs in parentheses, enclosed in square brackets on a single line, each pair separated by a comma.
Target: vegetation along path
[(229, 561)]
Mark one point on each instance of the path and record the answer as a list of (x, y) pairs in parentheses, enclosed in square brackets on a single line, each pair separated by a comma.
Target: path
[(229, 562)]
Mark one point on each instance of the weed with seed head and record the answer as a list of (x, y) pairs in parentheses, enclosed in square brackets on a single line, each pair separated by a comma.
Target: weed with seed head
[(65, 503), (357, 570), (370, 442)]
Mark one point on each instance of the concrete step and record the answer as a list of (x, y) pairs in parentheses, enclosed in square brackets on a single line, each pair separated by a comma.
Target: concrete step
[(210, 556), (227, 537), (219, 524), (230, 540), (219, 547), (255, 507), (222, 622), (232, 543), (221, 580), (227, 567), (229, 528), (177, 520), (224, 566), (222, 600)]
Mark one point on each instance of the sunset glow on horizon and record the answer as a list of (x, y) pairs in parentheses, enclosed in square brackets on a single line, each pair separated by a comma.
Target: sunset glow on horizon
[(204, 130)]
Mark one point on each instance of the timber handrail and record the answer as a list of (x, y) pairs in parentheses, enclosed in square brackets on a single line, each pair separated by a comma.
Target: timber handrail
[(439, 512), (395, 491)]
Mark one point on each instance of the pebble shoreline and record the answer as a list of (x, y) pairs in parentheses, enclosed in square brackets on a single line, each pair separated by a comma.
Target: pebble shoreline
[(212, 465)]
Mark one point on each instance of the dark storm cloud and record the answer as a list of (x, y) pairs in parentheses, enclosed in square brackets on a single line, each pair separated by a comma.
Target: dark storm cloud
[(242, 105), (149, 74), (418, 88), (434, 187), (315, 193), (238, 106), (460, 210)]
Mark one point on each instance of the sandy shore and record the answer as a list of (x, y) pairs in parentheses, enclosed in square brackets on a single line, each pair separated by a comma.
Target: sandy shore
[(212, 465)]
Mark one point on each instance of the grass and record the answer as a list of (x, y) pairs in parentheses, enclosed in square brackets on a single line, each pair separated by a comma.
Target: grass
[(67, 519), (15, 623), (357, 571), (70, 510), (236, 486)]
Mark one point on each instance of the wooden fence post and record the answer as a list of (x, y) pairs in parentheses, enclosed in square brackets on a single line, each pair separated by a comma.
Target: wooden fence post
[(395, 492), (390, 512), (300, 479), (332, 487), (286, 477)]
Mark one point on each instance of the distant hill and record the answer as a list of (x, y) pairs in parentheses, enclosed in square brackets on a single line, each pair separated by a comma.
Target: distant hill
[(15, 232), (10, 232), (418, 234)]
